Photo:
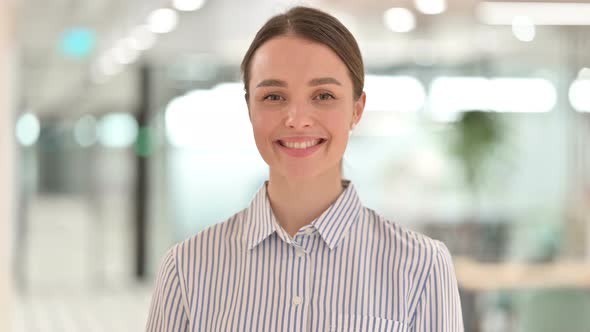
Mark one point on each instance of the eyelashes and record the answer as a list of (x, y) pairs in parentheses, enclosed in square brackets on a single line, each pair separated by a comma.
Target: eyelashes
[(323, 96), (273, 97)]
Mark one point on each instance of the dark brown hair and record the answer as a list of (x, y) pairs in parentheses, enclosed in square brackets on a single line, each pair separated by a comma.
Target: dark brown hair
[(317, 26)]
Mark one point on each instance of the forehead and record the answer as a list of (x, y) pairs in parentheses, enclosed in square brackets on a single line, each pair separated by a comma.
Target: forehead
[(295, 59)]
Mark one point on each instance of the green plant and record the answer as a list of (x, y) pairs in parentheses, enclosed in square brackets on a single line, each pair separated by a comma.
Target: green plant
[(477, 134)]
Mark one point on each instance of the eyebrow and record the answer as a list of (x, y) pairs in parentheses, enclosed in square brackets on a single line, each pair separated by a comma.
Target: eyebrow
[(278, 83), (324, 80), (313, 82)]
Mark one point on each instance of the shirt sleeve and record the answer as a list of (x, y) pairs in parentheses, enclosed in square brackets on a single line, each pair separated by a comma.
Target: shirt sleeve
[(168, 309), (439, 308)]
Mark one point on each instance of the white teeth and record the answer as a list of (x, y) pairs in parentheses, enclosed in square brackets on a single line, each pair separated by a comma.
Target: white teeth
[(300, 145)]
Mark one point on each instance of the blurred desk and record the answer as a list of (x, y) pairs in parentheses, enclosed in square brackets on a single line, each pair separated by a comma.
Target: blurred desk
[(476, 276)]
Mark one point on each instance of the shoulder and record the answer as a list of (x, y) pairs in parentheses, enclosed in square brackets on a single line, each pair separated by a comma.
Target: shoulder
[(416, 260), (229, 230), (406, 245)]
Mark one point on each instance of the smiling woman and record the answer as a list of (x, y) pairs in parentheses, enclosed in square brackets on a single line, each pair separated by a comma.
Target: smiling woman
[(302, 108), (306, 255)]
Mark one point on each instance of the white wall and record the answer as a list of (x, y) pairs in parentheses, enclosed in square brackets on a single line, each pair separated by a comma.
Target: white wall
[(7, 51)]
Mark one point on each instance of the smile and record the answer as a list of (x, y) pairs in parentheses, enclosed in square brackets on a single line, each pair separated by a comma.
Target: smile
[(302, 145), (301, 149)]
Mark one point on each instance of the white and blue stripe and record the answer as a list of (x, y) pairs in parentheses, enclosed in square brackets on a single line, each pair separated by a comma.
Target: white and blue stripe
[(349, 270)]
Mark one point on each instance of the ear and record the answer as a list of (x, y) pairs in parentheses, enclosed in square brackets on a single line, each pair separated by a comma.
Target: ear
[(359, 108)]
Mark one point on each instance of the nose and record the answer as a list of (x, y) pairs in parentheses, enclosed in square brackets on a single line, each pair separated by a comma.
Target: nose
[(298, 117)]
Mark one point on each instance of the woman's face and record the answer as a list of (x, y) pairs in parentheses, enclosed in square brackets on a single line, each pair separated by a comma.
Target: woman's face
[(301, 106)]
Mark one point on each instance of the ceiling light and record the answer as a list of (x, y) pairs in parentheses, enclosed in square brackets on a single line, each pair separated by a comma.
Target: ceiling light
[(188, 5), (142, 38), (526, 95), (123, 54), (579, 96), (584, 74), (117, 130), (431, 7), (523, 28), (542, 13), (27, 129), (163, 20), (78, 42), (450, 95), (410, 94), (192, 119), (399, 20)]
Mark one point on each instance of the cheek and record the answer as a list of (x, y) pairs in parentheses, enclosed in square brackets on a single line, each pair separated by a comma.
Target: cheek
[(262, 127), (338, 123)]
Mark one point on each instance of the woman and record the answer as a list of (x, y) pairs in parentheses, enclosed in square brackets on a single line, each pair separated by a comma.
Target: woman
[(306, 255)]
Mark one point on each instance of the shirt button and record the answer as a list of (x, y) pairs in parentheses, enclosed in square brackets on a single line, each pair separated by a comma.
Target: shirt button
[(299, 253), (309, 231), (297, 300)]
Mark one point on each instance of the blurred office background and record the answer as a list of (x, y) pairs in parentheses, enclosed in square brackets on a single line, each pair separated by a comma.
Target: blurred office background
[(129, 133)]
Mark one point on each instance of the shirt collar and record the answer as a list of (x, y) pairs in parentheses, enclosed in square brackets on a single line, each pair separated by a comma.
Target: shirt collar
[(332, 224)]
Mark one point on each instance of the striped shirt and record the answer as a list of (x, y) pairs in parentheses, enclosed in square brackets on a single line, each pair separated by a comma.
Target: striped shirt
[(348, 270)]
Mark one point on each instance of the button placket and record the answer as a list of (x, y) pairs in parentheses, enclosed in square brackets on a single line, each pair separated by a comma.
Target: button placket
[(300, 253), (297, 300), (302, 244)]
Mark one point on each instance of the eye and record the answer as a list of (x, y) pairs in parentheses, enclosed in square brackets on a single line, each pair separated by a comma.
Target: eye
[(273, 97), (324, 96)]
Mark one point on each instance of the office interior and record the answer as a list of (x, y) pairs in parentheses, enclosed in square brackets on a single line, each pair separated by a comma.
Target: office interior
[(125, 131)]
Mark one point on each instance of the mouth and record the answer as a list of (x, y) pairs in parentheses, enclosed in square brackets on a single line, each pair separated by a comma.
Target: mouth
[(302, 148), (303, 144)]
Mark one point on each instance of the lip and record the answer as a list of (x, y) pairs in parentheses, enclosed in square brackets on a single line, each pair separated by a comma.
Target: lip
[(298, 139), (300, 153)]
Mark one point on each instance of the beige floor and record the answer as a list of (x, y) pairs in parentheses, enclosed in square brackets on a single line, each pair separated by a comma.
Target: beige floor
[(76, 269), (88, 311)]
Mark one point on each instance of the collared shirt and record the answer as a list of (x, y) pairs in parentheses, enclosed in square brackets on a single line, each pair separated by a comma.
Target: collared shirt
[(348, 270)]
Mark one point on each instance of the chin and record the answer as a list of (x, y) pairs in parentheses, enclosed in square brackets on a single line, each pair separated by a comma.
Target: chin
[(302, 172)]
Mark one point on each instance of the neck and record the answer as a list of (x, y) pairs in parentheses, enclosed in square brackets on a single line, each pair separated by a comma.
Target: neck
[(297, 202)]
